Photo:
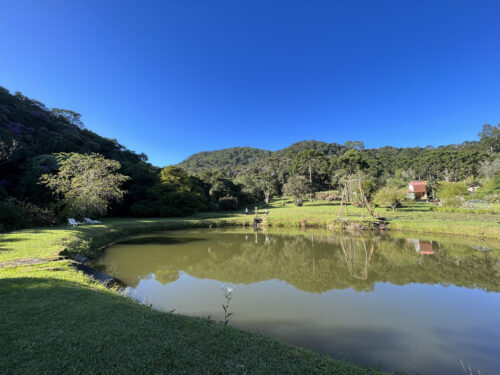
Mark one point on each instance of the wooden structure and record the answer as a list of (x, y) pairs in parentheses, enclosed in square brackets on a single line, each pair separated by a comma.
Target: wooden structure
[(357, 257), (352, 188), (418, 190)]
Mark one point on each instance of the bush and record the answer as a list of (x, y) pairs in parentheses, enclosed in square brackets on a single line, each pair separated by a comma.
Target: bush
[(17, 215), (476, 204), (170, 204), (390, 196), (228, 203), (329, 196), (492, 198), (296, 187), (454, 201), (448, 190)]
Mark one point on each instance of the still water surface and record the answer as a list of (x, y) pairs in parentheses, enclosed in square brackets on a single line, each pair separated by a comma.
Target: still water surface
[(402, 302)]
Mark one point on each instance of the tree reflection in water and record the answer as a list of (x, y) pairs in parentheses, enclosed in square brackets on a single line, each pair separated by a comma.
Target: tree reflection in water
[(310, 262)]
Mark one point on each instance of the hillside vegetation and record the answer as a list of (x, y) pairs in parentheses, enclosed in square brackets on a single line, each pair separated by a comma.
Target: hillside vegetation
[(228, 159), (36, 142)]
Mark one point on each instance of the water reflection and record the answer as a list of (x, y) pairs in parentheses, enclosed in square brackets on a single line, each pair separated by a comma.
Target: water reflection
[(410, 303), (315, 263)]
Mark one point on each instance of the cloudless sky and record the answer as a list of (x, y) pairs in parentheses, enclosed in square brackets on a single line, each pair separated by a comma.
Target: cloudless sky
[(171, 78)]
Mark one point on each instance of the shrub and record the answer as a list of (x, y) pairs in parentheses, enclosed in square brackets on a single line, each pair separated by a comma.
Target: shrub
[(170, 204), (228, 203), (475, 204), (454, 201), (491, 198), (390, 196), (330, 195), (448, 190), (296, 187), (17, 215)]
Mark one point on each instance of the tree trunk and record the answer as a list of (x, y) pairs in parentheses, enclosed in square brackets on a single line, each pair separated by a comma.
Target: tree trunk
[(310, 182)]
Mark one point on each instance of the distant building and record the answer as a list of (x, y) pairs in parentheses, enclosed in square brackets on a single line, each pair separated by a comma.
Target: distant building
[(473, 188), (417, 190)]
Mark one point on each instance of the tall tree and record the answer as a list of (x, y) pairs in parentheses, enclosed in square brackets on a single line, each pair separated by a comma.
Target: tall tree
[(352, 162), (306, 161), (267, 183), (296, 187), (87, 184), (490, 137), (72, 117)]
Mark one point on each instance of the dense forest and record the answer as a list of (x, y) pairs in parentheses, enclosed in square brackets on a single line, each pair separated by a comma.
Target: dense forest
[(42, 150)]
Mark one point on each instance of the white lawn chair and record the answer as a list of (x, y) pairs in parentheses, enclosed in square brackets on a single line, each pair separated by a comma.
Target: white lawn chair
[(73, 222), (90, 221)]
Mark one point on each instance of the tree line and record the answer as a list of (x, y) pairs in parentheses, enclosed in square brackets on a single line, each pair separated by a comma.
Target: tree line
[(51, 167)]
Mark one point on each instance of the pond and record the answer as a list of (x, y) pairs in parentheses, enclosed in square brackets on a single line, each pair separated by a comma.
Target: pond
[(398, 301)]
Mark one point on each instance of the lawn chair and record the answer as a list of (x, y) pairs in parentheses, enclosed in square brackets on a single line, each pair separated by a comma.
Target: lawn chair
[(91, 222), (73, 222)]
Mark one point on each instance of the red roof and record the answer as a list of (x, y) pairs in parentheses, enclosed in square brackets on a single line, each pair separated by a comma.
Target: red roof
[(419, 186)]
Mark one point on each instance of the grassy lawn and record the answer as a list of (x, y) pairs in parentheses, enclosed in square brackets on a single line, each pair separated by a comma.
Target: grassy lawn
[(54, 319), (416, 217), (57, 321)]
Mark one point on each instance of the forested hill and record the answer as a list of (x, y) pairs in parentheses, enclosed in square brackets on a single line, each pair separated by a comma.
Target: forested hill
[(227, 159), (451, 162), (31, 133)]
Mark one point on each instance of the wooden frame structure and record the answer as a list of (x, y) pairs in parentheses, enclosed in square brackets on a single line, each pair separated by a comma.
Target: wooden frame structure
[(346, 196), (353, 253)]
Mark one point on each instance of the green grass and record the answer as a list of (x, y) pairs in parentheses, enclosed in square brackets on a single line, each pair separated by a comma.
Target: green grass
[(416, 217), (56, 320)]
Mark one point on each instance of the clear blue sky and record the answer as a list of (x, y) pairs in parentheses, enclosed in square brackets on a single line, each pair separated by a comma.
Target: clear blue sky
[(171, 78)]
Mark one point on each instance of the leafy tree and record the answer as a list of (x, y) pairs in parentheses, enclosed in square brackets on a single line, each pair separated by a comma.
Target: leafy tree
[(87, 184), (490, 137), (356, 145), (7, 149), (33, 169), (490, 168), (390, 196), (175, 179), (306, 162), (352, 162), (174, 194), (448, 190), (296, 187), (71, 116), (267, 184)]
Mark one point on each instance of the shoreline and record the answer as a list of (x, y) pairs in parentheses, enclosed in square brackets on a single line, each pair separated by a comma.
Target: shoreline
[(50, 244)]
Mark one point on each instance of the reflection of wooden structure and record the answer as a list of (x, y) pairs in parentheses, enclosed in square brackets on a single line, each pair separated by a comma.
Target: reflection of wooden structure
[(422, 247), (356, 253), (353, 187)]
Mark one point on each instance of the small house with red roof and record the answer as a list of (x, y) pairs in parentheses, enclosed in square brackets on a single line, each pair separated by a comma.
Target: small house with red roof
[(417, 190)]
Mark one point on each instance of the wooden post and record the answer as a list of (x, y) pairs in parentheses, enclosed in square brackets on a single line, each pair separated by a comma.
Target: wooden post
[(342, 201)]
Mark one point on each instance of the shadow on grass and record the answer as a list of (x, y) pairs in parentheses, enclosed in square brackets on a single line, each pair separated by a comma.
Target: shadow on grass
[(5, 241)]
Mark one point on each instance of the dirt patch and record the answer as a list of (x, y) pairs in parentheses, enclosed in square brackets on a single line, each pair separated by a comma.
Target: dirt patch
[(24, 262)]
